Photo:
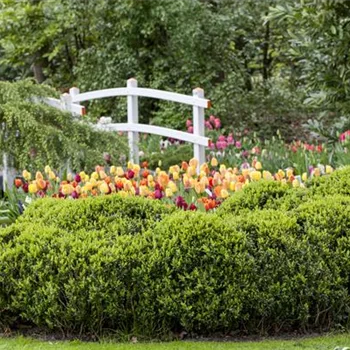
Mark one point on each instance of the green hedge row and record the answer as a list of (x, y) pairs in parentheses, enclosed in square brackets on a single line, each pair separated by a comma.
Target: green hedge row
[(270, 259)]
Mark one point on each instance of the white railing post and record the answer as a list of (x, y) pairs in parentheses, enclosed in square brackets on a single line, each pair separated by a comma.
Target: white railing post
[(73, 92), (198, 127), (5, 182), (133, 118), (66, 100)]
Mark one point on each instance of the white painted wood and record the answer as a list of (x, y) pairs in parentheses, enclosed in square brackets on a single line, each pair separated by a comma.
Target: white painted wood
[(198, 127), (62, 105), (157, 130), (143, 92), (133, 119)]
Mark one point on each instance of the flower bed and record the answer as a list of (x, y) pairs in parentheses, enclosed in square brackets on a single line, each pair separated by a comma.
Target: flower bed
[(181, 186)]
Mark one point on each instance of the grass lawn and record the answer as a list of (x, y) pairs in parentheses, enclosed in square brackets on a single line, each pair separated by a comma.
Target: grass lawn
[(317, 343)]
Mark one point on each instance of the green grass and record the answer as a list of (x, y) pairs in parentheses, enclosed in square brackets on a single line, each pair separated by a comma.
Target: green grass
[(317, 343)]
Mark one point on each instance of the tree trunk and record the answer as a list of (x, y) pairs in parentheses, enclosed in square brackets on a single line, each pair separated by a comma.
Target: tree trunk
[(38, 71), (266, 61)]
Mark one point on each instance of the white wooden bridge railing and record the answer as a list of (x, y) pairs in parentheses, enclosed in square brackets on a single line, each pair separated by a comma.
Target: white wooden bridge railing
[(70, 102)]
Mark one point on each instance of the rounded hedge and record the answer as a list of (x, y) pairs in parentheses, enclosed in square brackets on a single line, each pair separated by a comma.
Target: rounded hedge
[(266, 271), (336, 183), (264, 194)]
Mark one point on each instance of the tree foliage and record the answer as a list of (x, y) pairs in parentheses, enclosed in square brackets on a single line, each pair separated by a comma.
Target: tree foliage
[(35, 134), (266, 65)]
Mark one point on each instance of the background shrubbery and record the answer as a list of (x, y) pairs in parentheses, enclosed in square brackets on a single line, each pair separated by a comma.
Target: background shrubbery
[(271, 259)]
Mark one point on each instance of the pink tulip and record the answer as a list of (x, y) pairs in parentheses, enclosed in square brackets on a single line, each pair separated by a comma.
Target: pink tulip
[(230, 139), (190, 129), (217, 123), (238, 144), (222, 138), (212, 119), (208, 125), (188, 123)]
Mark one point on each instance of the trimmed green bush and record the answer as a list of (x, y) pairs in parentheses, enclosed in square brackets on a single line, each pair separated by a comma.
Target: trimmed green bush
[(266, 271), (108, 213), (263, 194), (336, 183)]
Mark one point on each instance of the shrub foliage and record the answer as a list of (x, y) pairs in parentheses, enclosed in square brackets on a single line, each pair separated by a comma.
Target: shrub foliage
[(270, 260)]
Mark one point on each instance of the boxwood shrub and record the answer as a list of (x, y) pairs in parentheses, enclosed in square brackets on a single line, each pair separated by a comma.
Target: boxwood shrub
[(62, 266), (336, 183), (264, 194), (129, 214)]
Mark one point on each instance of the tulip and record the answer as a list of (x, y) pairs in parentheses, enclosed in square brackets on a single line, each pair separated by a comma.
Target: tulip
[(238, 144), (25, 187), (193, 163), (70, 177), (188, 123), (18, 183), (33, 188), (190, 129), (214, 162), (130, 174), (104, 188), (41, 184), (52, 175), (75, 195), (158, 194), (67, 189), (47, 169), (258, 166), (295, 183), (224, 194), (168, 192), (329, 169)]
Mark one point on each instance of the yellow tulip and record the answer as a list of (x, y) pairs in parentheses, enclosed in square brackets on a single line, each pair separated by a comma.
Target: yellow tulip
[(296, 183), (113, 170), (198, 187), (52, 175), (158, 170), (281, 174), (329, 169), (130, 165), (67, 189), (172, 186), (290, 173), (175, 175), (33, 188), (168, 192), (267, 175), (47, 169), (120, 171), (94, 175), (104, 188), (222, 169), (255, 175), (136, 169), (27, 175), (144, 191), (304, 177), (214, 162), (102, 174), (232, 186), (224, 194), (193, 163), (191, 171), (258, 166)]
